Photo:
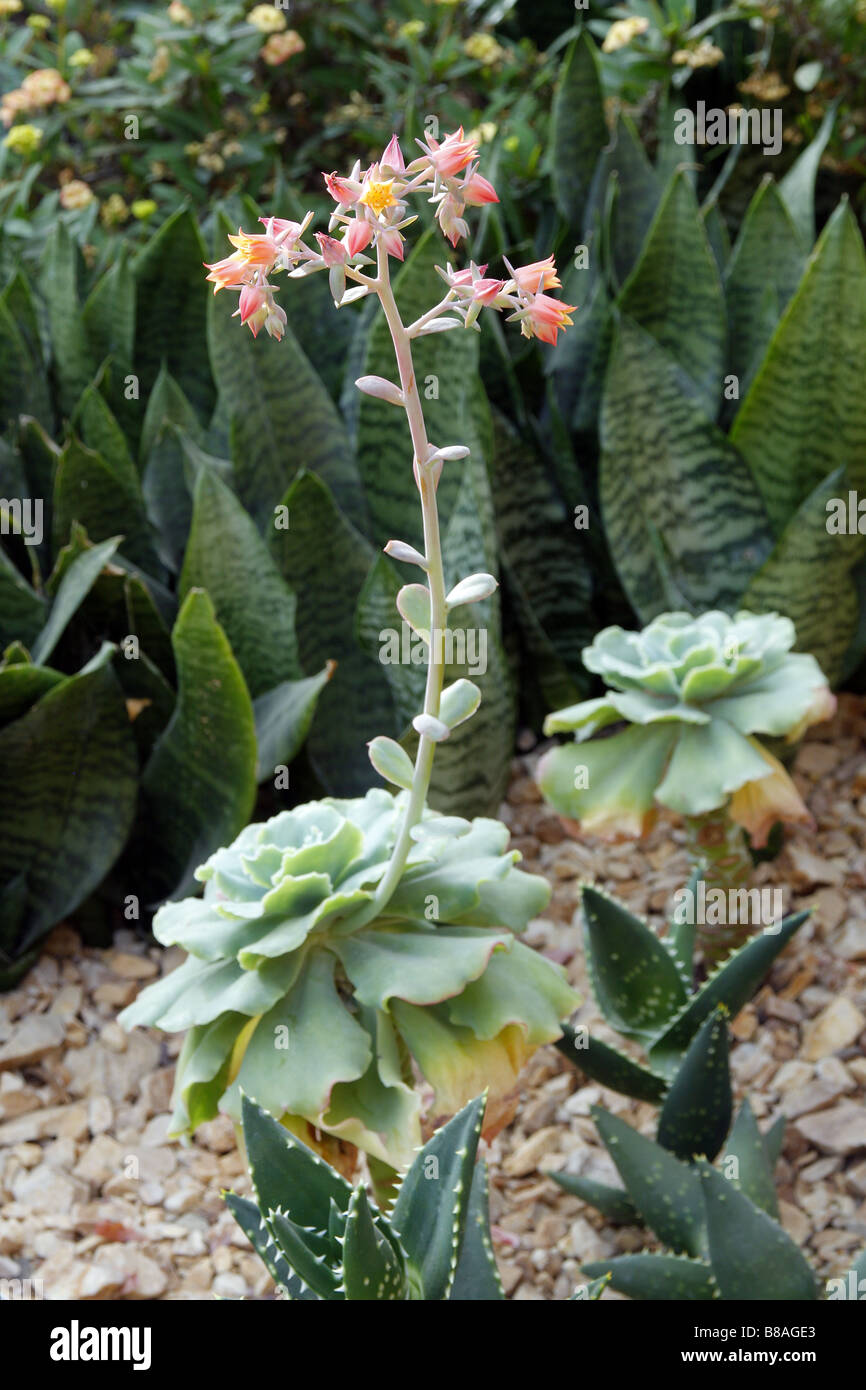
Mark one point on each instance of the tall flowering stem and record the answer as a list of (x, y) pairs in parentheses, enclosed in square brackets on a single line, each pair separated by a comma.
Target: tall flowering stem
[(371, 212)]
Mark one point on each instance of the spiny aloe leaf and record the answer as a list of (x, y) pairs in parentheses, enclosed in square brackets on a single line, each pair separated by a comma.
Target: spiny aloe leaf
[(249, 1218), (612, 1202), (752, 1257), (805, 414), (431, 1211), (372, 1268), (811, 577), (658, 450), (675, 294), (666, 1192), (680, 939), (733, 984), (477, 1277), (592, 1292), (659, 1277), (696, 1114), (317, 1271), (288, 1175), (579, 128), (609, 1067), (635, 981), (753, 1174)]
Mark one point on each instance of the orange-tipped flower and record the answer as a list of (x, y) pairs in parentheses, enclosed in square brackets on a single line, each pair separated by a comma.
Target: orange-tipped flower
[(228, 273), (475, 191), (540, 275), (544, 317)]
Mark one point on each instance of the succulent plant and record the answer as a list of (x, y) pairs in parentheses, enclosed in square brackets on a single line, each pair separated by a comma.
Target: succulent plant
[(321, 1239), (694, 692), (295, 993), (644, 986), (721, 1228)]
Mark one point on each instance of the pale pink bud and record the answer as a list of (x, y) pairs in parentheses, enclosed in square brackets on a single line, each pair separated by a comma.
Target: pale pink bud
[(393, 156), (333, 252), (476, 190), (358, 234), (342, 190), (393, 243)]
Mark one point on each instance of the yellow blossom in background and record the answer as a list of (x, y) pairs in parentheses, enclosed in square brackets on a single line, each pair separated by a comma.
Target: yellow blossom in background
[(114, 211), (38, 22), (179, 13), (58, 6), (9, 6), (706, 55), (24, 139), (484, 49), (766, 86), (76, 194), (279, 47), (267, 19), (483, 133), (261, 105), (143, 208), (412, 29), (81, 58), (622, 31)]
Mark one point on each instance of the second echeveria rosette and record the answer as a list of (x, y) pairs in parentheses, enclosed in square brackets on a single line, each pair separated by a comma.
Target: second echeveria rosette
[(694, 692), (289, 995)]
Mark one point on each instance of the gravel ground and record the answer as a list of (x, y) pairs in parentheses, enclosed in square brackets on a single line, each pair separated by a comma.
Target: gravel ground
[(97, 1204)]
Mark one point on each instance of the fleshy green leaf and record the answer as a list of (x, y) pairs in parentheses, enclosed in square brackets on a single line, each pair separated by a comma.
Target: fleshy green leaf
[(696, 1114), (635, 982), (751, 1256), (754, 1173), (666, 1192), (673, 1278)]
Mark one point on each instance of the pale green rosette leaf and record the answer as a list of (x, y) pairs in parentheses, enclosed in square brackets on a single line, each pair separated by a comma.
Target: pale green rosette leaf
[(297, 997), (703, 686)]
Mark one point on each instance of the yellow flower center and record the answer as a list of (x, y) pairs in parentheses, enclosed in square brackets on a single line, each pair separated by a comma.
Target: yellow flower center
[(378, 196)]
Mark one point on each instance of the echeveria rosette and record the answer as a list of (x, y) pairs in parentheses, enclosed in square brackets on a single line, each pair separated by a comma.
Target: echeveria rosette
[(318, 1016), (694, 691)]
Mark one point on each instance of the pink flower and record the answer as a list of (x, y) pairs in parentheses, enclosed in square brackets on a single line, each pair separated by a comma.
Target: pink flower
[(449, 157), (259, 250), (544, 317), (333, 252), (228, 273), (284, 232), (540, 275), (393, 243), (476, 190), (253, 307), (393, 157), (358, 234), (448, 216), (345, 191)]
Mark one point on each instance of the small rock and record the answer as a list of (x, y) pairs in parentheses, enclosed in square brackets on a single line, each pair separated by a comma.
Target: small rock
[(36, 1036), (230, 1286), (217, 1135), (116, 993), (131, 967), (852, 943), (526, 1157), (52, 1122), (114, 1037), (794, 1222), (791, 1075), (100, 1114), (811, 869), (48, 1189), (841, 1130), (835, 1027), (101, 1160), (68, 1001), (805, 1099)]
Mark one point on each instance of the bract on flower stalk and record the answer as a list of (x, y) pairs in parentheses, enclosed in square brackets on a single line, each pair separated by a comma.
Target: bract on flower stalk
[(375, 931)]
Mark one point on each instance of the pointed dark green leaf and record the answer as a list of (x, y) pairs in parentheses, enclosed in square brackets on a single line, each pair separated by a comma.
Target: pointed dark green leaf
[(199, 787), (283, 717), (87, 489), (636, 983), (22, 611), (171, 310), (798, 186), (286, 1174), (74, 362), (733, 985), (609, 1067), (431, 1211), (372, 1268), (666, 1192), (752, 1258), (671, 1278), (248, 1217), (579, 128), (75, 584), (805, 412), (668, 472), (675, 294), (613, 1202), (762, 274), (477, 1277), (696, 1114), (754, 1171)]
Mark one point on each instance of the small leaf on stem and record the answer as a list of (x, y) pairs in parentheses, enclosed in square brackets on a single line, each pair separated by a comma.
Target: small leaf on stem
[(382, 389), (401, 550), (430, 727), (391, 761), (459, 702), (471, 589)]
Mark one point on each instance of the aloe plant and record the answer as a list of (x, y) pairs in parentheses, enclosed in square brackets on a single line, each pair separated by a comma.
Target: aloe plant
[(645, 987), (693, 692), (719, 1223), (322, 1239)]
